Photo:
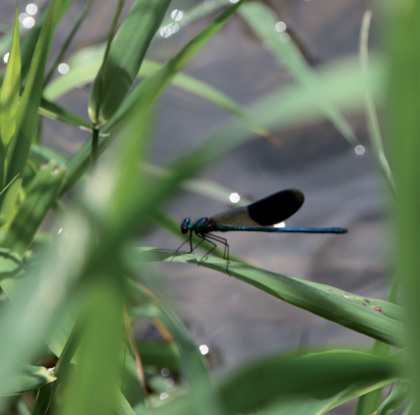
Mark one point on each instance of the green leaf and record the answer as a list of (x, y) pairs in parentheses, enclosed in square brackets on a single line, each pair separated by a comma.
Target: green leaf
[(9, 96), (46, 154), (398, 395), (39, 295), (86, 63), (55, 112), (9, 196), (28, 379), (93, 387), (159, 354), (41, 195), (27, 115), (127, 51), (375, 318), (10, 262), (282, 384), (263, 21), (147, 92), (204, 399), (143, 97)]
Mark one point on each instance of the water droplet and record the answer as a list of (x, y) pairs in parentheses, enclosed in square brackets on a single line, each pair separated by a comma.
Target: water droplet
[(6, 57), (63, 68), (360, 150), (165, 372), (280, 27), (204, 349), (27, 21), (169, 30), (177, 15), (163, 396), (234, 197), (32, 9)]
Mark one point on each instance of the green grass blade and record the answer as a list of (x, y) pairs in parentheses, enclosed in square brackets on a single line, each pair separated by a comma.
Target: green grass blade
[(9, 98), (403, 122), (263, 20), (41, 195), (375, 318), (204, 399), (93, 387), (46, 154), (143, 97), (338, 374), (55, 112), (86, 63), (289, 384), (27, 115), (284, 108), (9, 197), (68, 41), (27, 320), (126, 54), (10, 263), (30, 41), (372, 116), (147, 92), (398, 395), (28, 379)]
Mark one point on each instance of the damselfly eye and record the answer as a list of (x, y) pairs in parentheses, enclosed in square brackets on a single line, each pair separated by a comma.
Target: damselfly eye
[(185, 225)]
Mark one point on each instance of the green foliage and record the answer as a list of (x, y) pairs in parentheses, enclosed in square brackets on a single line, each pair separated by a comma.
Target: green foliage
[(73, 290)]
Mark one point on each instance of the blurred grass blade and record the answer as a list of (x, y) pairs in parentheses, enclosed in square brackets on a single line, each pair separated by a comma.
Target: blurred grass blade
[(55, 112), (198, 11), (282, 108), (403, 122), (263, 21), (68, 41), (45, 154), (30, 41), (41, 195), (372, 117), (30, 378), (86, 63), (39, 297), (147, 92), (27, 114), (204, 399), (397, 396), (10, 263), (93, 386), (375, 318), (159, 354), (339, 374), (9, 197), (126, 54), (369, 403), (9, 99), (143, 97), (289, 384)]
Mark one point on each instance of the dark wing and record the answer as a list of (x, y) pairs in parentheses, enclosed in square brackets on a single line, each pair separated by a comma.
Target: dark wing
[(269, 211)]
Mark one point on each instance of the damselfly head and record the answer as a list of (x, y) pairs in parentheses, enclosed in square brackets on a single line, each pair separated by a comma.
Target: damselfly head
[(185, 225)]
